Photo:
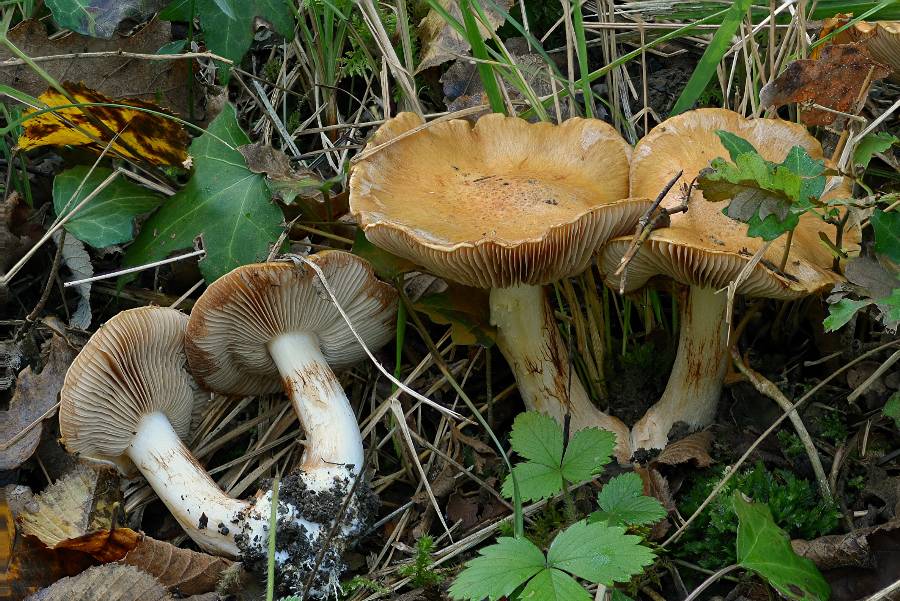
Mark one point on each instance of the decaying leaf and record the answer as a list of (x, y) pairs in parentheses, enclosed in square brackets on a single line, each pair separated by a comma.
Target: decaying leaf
[(441, 42), (111, 582), (103, 545), (80, 502), (13, 244), (834, 81), (466, 310), (139, 129), (187, 571), (100, 18), (165, 82), (35, 394), (283, 180), (386, 265), (78, 262), (880, 38), (692, 448)]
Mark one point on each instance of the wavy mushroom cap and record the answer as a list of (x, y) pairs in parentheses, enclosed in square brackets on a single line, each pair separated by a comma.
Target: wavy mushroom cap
[(502, 203), (132, 366), (882, 40), (703, 247), (241, 312)]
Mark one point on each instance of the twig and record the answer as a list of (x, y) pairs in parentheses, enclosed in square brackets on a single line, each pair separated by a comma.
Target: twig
[(54, 269), (12, 62), (766, 387), (883, 593), (137, 268), (875, 375), (711, 580)]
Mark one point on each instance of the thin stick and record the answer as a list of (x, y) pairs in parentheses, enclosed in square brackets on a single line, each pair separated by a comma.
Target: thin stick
[(12, 62), (711, 580), (883, 593), (874, 377), (113, 274), (187, 293), (766, 387), (54, 269)]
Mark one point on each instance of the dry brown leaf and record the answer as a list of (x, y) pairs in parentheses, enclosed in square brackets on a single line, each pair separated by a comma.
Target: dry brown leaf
[(441, 42), (656, 486), (165, 82), (835, 81), (80, 502), (284, 181), (135, 133), (104, 545), (693, 447), (881, 39), (34, 395), (112, 582), (12, 244), (188, 572)]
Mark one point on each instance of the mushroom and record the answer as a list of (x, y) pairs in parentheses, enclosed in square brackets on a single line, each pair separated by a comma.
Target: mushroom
[(510, 206), (706, 250), (127, 401)]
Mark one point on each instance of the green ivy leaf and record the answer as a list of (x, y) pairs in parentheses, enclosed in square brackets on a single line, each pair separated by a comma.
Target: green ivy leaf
[(623, 503), (599, 553), (109, 217), (539, 439), (498, 570), (871, 144), (892, 409), (841, 312), (764, 548), (887, 233), (225, 203), (100, 18)]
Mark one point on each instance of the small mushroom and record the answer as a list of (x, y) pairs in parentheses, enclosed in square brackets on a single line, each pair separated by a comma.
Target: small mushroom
[(127, 401), (510, 206), (706, 250)]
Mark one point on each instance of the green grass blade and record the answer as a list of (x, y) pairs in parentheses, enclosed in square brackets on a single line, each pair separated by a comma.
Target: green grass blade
[(480, 52), (581, 50), (270, 564), (706, 68)]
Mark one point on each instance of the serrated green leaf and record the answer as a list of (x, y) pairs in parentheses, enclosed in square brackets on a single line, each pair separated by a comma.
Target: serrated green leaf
[(100, 18), (799, 162), (623, 503), (765, 549), (553, 585), (109, 217), (599, 553), (841, 312), (771, 227), (535, 481), (890, 306), (498, 570), (891, 409), (588, 450), (618, 595), (225, 203), (872, 144), (887, 233), (538, 438), (734, 144)]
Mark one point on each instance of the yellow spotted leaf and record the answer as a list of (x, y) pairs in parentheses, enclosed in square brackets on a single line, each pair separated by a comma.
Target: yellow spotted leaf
[(137, 134)]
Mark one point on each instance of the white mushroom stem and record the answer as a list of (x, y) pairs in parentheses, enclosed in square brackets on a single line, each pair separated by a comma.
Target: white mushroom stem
[(333, 440), (530, 341), (209, 516), (695, 383)]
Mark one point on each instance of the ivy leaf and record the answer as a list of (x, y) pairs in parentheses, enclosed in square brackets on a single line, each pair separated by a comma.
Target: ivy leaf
[(498, 570), (100, 18), (764, 548), (539, 439), (771, 227), (599, 553), (841, 312), (623, 503), (887, 233), (224, 203), (109, 217), (872, 144), (892, 409)]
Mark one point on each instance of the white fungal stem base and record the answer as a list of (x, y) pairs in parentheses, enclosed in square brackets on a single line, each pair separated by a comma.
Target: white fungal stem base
[(695, 383), (333, 440), (530, 341)]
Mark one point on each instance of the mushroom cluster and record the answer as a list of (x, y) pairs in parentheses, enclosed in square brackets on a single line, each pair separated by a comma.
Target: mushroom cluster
[(128, 398)]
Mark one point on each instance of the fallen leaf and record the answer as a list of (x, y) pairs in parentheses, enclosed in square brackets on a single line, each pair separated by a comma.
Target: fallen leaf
[(284, 181), (386, 265), (100, 18), (108, 218), (224, 203), (112, 582), (139, 130), (103, 545), (35, 393), (440, 42), (78, 503), (834, 81), (10, 360), (78, 262), (466, 310), (188, 572), (692, 448), (881, 39), (165, 82)]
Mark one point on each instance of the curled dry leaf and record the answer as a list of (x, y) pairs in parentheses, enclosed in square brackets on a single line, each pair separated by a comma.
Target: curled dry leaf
[(103, 545), (140, 129), (80, 502), (112, 582), (12, 244), (441, 42), (75, 257), (188, 572), (162, 81), (34, 395), (692, 448), (881, 39), (283, 180), (835, 81)]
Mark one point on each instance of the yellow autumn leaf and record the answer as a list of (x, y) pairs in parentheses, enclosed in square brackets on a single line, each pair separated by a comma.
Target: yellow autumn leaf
[(142, 136)]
